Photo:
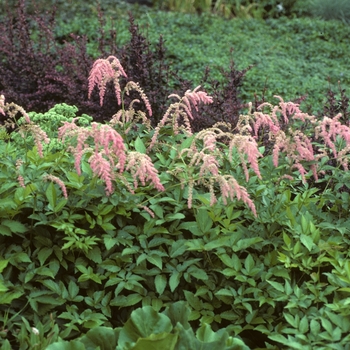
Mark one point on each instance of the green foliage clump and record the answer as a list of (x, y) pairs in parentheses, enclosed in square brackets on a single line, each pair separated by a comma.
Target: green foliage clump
[(249, 228), (50, 122), (148, 329)]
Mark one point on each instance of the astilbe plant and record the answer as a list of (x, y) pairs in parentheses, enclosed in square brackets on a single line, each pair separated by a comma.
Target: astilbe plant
[(27, 127), (205, 159), (282, 124)]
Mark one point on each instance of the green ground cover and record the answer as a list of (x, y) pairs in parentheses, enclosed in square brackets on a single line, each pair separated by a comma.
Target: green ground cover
[(291, 56)]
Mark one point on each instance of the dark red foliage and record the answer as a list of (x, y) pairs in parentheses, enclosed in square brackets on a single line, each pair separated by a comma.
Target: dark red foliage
[(39, 72), (227, 105)]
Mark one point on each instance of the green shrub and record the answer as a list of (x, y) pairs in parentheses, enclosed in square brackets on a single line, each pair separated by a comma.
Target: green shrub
[(249, 227)]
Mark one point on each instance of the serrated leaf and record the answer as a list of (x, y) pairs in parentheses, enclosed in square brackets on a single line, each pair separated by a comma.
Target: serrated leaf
[(110, 242), (5, 231), (95, 255), (14, 226), (7, 298)]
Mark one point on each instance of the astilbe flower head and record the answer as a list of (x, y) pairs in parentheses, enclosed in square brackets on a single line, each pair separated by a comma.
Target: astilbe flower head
[(108, 150), (103, 71), (331, 128), (27, 125), (58, 181), (204, 163), (136, 86), (142, 169), (181, 109), (2, 104), (246, 147)]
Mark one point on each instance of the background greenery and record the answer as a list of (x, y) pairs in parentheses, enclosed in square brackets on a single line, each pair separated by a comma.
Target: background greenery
[(292, 56)]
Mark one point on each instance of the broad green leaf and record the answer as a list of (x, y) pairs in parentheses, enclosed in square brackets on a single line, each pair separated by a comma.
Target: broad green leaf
[(203, 220), (286, 239), (307, 241), (108, 226), (327, 325), (60, 205), (249, 263), (51, 195), (20, 257), (142, 323), (191, 226), (3, 264), (245, 243), (277, 285), (187, 142), (95, 255), (226, 260), (279, 338), (176, 216), (304, 225), (67, 345), (205, 334), (6, 345), (5, 231), (160, 341), (304, 325), (160, 283), (104, 337), (177, 248), (14, 226), (73, 289), (199, 274), (140, 146), (291, 320), (44, 253), (110, 242), (128, 300), (178, 312), (7, 298), (174, 280)]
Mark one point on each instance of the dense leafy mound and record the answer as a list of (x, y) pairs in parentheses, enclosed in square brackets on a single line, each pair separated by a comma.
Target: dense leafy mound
[(249, 228)]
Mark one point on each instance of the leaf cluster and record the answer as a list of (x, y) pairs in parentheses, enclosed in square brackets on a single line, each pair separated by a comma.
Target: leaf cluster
[(87, 261)]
